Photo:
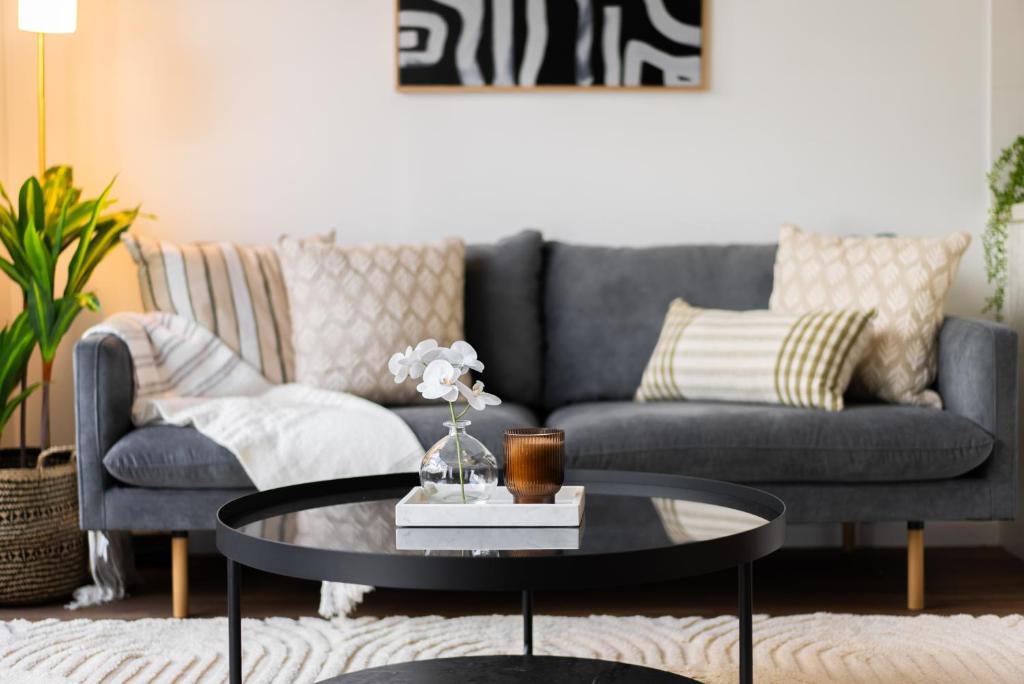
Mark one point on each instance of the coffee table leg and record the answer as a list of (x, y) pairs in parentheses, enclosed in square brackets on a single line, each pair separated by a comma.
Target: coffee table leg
[(527, 622), (746, 615), (234, 622)]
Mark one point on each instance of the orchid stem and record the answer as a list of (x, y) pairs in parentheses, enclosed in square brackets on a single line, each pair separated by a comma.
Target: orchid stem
[(464, 412), (458, 448)]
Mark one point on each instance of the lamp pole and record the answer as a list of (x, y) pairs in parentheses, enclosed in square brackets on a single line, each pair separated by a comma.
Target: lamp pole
[(41, 101), (41, 17)]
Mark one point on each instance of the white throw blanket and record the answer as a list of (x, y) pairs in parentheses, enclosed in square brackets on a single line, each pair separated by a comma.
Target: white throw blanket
[(281, 434)]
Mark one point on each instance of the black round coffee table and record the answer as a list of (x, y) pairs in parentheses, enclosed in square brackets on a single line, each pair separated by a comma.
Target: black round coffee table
[(638, 528)]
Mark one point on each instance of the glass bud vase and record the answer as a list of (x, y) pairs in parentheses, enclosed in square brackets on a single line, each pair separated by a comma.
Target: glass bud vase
[(458, 468)]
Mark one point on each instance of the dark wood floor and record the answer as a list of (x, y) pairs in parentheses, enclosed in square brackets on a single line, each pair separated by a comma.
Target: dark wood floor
[(976, 581)]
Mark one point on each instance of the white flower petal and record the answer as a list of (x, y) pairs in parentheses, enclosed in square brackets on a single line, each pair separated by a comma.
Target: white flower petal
[(433, 391), (437, 371), (425, 345), (396, 363), (431, 355), (469, 395), (453, 357), (464, 348)]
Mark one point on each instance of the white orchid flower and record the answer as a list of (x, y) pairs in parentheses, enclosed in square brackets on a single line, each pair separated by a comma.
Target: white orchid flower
[(400, 363), (476, 397), (412, 362), (424, 353), (465, 356), (427, 350), (440, 381)]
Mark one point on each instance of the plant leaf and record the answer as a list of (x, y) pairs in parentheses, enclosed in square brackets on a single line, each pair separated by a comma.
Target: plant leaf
[(38, 261), (14, 274)]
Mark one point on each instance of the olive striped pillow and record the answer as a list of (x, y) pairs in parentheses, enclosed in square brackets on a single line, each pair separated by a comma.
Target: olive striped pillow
[(235, 291), (756, 356)]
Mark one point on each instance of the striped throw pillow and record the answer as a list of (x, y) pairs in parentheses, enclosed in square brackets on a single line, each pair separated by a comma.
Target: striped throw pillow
[(756, 356), (236, 292)]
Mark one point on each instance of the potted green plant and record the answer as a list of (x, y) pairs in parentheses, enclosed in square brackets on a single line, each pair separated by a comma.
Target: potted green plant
[(49, 219), (40, 484), (1006, 182)]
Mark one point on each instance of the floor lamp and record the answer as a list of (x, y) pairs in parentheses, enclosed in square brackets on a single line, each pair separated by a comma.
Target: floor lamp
[(42, 17)]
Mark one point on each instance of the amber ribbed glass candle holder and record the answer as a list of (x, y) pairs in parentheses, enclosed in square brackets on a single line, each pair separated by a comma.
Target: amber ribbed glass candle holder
[(534, 463)]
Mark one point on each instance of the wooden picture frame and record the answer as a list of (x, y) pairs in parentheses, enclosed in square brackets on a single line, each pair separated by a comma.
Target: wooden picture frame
[(486, 24)]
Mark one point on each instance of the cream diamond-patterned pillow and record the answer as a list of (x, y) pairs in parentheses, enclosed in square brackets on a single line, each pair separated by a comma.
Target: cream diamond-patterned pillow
[(353, 306), (905, 280)]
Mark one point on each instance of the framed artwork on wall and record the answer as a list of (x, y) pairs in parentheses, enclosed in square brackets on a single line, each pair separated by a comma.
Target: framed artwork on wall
[(596, 45)]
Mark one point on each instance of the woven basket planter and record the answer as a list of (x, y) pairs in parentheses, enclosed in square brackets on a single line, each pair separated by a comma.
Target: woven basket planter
[(42, 551)]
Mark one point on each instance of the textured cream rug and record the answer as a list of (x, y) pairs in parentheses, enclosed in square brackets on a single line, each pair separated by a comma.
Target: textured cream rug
[(798, 649)]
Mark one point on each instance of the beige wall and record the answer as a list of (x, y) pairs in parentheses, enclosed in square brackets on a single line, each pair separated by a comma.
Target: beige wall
[(6, 291), (241, 120), (5, 288)]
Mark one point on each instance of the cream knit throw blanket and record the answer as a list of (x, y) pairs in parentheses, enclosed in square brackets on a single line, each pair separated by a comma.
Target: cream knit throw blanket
[(281, 434)]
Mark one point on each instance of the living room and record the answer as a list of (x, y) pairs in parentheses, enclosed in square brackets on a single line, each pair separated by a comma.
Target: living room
[(536, 340)]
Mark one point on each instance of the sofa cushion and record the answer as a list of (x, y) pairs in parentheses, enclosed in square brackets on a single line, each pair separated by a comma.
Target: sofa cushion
[(757, 443), (174, 457), (181, 458), (236, 291), (904, 279), (604, 306), (503, 319), (487, 426), (353, 306), (756, 356)]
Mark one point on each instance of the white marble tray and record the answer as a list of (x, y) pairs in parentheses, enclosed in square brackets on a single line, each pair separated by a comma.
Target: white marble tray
[(486, 538), (416, 510)]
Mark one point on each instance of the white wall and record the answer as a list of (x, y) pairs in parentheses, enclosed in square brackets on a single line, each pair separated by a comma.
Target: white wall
[(241, 120)]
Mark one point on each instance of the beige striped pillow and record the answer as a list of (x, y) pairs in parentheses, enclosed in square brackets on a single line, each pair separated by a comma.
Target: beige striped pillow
[(235, 291), (756, 356)]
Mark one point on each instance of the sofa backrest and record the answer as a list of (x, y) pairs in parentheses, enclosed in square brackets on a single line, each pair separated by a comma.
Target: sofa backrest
[(604, 307), (503, 315)]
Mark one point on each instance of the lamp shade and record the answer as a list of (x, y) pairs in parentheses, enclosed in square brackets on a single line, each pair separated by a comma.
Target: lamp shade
[(48, 16)]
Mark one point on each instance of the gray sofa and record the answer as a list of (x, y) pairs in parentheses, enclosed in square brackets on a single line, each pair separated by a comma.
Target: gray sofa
[(566, 331)]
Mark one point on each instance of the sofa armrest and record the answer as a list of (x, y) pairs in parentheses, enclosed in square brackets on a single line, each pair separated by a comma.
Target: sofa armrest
[(104, 392), (977, 379)]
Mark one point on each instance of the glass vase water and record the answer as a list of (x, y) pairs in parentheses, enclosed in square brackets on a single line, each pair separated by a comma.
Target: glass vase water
[(458, 468)]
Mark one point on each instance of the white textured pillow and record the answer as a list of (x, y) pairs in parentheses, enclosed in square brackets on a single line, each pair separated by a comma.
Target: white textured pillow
[(906, 280), (353, 306), (757, 356)]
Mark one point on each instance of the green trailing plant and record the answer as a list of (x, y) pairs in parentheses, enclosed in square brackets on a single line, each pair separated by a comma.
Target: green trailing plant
[(1006, 181), (16, 344), (50, 218)]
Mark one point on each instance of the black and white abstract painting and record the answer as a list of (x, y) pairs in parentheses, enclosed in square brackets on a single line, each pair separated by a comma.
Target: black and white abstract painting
[(550, 43)]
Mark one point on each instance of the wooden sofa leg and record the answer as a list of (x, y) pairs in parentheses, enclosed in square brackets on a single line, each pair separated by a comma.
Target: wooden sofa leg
[(915, 565), (179, 574), (849, 537)]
